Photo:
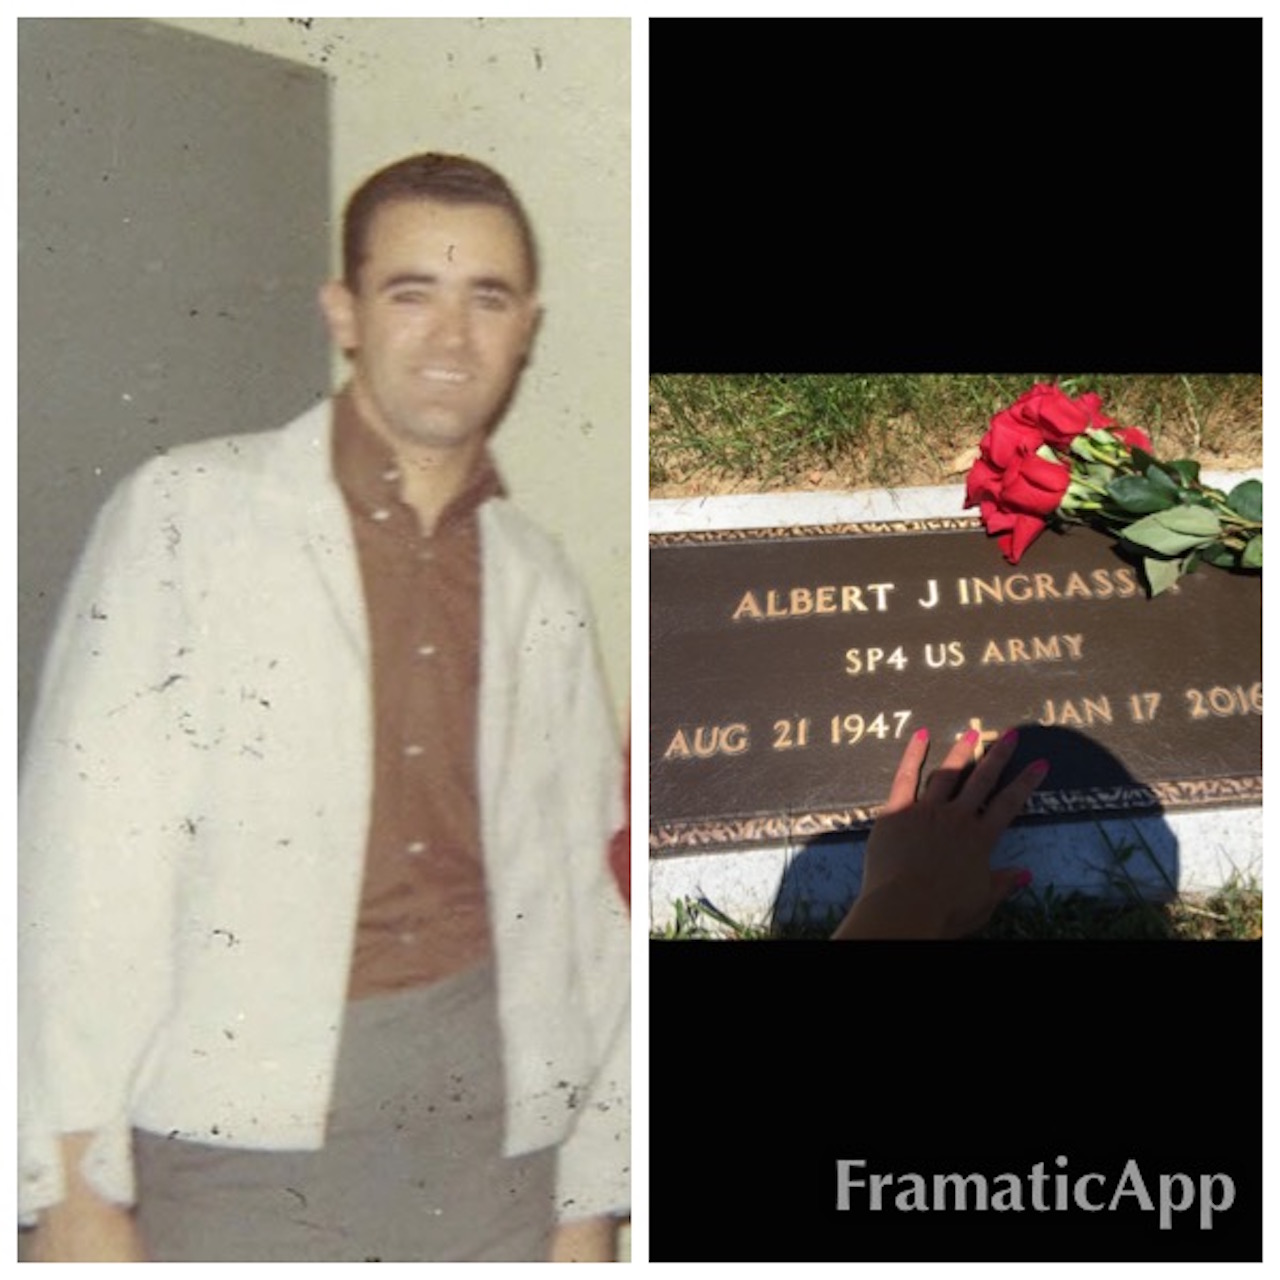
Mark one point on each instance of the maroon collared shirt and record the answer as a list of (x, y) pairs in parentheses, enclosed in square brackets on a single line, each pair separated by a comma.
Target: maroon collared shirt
[(423, 912)]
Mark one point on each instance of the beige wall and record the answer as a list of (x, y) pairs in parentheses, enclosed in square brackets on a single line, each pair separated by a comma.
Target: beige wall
[(546, 101)]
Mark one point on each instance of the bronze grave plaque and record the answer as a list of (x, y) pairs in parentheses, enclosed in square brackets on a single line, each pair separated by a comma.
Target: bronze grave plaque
[(788, 668)]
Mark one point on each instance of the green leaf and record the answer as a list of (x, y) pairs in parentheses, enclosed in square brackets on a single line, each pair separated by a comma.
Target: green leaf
[(1246, 499), (1159, 476), (1171, 532), (1251, 556), (1138, 494), (1142, 460), (1155, 537), (1217, 555), (1190, 520), (1188, 470), (1161, 574)]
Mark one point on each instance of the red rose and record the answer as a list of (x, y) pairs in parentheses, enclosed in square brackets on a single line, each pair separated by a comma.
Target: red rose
[(1017, 532), (1016, 489), (1017, 500), (1043, 415), (1008, 439), (1025, 465), (1033, 486), (1052, 415), (1134, 437)]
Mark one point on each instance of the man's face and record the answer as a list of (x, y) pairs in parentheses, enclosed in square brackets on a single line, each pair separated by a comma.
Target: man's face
[(440, 321)]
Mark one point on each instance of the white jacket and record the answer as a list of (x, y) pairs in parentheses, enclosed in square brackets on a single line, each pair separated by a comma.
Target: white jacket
[(194, 812)]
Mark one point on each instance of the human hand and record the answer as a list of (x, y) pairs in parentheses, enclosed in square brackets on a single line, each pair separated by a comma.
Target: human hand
[(927, 872), (83, 1227), (585, 1240)]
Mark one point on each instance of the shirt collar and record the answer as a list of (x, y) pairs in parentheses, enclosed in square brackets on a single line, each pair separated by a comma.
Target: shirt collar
[(368, 473)]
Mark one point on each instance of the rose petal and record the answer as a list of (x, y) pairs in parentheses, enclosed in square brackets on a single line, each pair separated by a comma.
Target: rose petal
[(996, 519), (1091, 403), (1053, 477), (1025, 532), (983, 482), (1063, 419), (1024, 497), (1134, 437), (1008, 440), (1027, 404)]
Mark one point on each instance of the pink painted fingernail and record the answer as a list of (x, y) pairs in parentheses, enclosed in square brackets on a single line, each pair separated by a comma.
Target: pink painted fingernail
[(1010, 737), (1023, 878), (970, 736), (1039, 768), (922, 735)]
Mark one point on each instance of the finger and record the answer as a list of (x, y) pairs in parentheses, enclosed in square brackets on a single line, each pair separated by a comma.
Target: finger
[(942, 784), (986, 773), (1006, 804), (902, 792)]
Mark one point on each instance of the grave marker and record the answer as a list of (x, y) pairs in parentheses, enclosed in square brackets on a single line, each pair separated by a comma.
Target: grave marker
[(789, 667)]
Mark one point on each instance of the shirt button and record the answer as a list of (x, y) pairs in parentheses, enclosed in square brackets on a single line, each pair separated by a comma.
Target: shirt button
[(391, 473), (416, 846), (426, 650), (413, 749), (382, 513)]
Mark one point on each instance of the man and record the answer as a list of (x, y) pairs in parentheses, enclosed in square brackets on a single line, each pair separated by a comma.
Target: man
[(321, 958)]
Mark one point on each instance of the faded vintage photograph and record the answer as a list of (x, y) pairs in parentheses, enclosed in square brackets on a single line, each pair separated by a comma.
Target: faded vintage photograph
[(324, 631)]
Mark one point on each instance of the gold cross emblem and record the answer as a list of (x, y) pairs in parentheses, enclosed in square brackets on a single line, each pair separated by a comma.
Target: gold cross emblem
[(984, 739)]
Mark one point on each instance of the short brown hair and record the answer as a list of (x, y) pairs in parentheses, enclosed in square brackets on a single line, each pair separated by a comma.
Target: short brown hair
[(431, 176)]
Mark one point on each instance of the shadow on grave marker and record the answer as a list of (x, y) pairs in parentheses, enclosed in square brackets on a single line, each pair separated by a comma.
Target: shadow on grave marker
[(825, 876)]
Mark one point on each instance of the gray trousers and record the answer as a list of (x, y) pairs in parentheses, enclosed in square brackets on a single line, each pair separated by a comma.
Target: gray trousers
[(411, 1170)]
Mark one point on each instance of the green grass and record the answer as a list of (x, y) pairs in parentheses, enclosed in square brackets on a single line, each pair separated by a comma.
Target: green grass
[(1232, 913), (766, 431)]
